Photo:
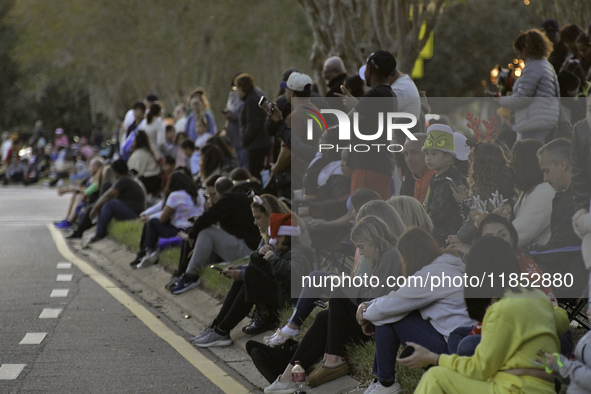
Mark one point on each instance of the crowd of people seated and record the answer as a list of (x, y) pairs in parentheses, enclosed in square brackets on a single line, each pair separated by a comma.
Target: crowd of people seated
[(454, 202)]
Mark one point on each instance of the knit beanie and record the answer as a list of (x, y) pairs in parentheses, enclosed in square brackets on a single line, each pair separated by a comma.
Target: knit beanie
[(441, 137)]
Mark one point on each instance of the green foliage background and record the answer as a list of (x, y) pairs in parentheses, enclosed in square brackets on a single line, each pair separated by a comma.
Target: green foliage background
[(81, 64)]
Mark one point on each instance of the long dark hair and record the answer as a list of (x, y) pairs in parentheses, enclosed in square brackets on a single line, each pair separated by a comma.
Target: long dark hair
[(179, 181), (227, 150), (487, 165), (494, 218), (154, 112), (524, 162), (417, 249), (143, 142), (211, 159), (489, 256)]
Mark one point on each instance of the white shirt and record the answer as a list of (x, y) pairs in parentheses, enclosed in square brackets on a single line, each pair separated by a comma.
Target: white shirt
[(156, 132), (407, 94)]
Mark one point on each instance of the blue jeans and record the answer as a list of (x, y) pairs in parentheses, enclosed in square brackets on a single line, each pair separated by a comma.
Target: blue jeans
[(389, 337), (305, 304), (462, 344), (156, 229), (112, 209)]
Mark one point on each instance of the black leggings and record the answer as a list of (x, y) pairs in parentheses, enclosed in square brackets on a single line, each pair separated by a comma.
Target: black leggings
[(84, 223), (234, 309), (331, 331)]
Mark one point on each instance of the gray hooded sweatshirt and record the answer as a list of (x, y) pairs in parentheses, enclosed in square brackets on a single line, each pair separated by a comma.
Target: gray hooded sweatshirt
[(443, 307)]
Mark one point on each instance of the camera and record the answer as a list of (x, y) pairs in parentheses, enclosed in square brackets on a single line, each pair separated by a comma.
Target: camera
[(267, 105)]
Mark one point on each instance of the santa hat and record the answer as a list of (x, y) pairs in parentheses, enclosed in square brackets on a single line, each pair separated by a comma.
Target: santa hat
[(281, 225), (441, 137)]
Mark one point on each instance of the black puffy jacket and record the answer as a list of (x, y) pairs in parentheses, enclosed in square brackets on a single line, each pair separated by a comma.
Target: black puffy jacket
[(441, 206)]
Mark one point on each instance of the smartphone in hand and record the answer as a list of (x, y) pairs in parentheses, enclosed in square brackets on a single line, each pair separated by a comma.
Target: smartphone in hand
[(407, 351), (453, 184)]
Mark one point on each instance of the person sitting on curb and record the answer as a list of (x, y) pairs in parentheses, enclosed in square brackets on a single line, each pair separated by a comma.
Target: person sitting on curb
[(516, 323), (412, 313), (85, 193), (180, 203), (123, 201), (264, 281), (236, 236)]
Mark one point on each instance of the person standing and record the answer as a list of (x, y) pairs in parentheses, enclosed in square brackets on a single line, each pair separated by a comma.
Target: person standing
[(535, 93), (334, 74), (373, 169), (252, 125), (200, 105)]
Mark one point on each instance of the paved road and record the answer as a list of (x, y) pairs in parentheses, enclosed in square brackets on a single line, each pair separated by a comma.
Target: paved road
[(95, 344)]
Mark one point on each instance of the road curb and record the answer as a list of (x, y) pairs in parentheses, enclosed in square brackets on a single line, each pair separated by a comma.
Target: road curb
[(194, 306)]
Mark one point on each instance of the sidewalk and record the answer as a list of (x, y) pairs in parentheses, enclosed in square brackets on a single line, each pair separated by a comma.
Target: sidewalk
[(191, 311)]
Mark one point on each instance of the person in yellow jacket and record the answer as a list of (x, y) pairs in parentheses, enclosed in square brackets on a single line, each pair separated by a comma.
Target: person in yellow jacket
[(516, 324)]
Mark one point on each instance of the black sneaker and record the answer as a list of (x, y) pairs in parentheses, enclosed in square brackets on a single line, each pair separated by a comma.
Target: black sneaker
[(260, 323), (270, 361), (174, 281), (94, 239), (74, 235), (186, 283)]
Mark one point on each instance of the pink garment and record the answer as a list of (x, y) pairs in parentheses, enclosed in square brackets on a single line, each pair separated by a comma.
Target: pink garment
[(62, 140), (87, 151), (181, 159)]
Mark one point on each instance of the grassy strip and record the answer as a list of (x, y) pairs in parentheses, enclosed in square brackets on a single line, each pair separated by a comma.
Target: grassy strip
[(359, 356)]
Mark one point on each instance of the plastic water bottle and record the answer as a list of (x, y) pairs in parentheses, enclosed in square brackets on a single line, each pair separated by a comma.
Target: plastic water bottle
[(298, 376)]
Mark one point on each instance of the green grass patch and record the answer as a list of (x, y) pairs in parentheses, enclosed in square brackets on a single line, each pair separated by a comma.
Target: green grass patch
[(169, 259), (126, 232), (360, 358), (215, 284), (129, 233)]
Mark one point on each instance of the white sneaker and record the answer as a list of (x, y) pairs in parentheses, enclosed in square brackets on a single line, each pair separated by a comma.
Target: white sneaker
[(278, 338), (281, 388), (377, 388), (148, 260)]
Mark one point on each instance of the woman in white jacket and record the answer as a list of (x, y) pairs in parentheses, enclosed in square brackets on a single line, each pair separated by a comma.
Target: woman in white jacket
[(533, 209), (416, 312)]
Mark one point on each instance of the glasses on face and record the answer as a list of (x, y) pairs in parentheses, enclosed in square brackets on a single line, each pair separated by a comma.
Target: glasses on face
[(208, 195)]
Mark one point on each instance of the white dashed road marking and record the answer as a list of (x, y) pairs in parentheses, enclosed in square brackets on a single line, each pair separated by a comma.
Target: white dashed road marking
[(64, 266), (49, 313), (59, 293), (33, 338), (11, 371), (64, 278)]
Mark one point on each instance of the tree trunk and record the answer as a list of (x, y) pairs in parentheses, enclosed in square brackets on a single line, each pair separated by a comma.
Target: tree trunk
[(353, 29)]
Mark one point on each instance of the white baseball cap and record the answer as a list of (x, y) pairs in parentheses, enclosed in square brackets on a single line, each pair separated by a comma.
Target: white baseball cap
[(298, 81)]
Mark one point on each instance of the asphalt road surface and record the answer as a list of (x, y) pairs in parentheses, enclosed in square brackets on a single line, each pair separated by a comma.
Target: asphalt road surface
[(63, 333)]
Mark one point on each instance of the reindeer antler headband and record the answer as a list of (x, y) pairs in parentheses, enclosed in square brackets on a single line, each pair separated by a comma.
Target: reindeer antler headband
[(490, 125)]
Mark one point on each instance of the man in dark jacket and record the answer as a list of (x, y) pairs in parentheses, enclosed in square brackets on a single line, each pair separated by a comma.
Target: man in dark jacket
[(236, 237), (562, 253), (252, 125), (334, 74), (123, 201)]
